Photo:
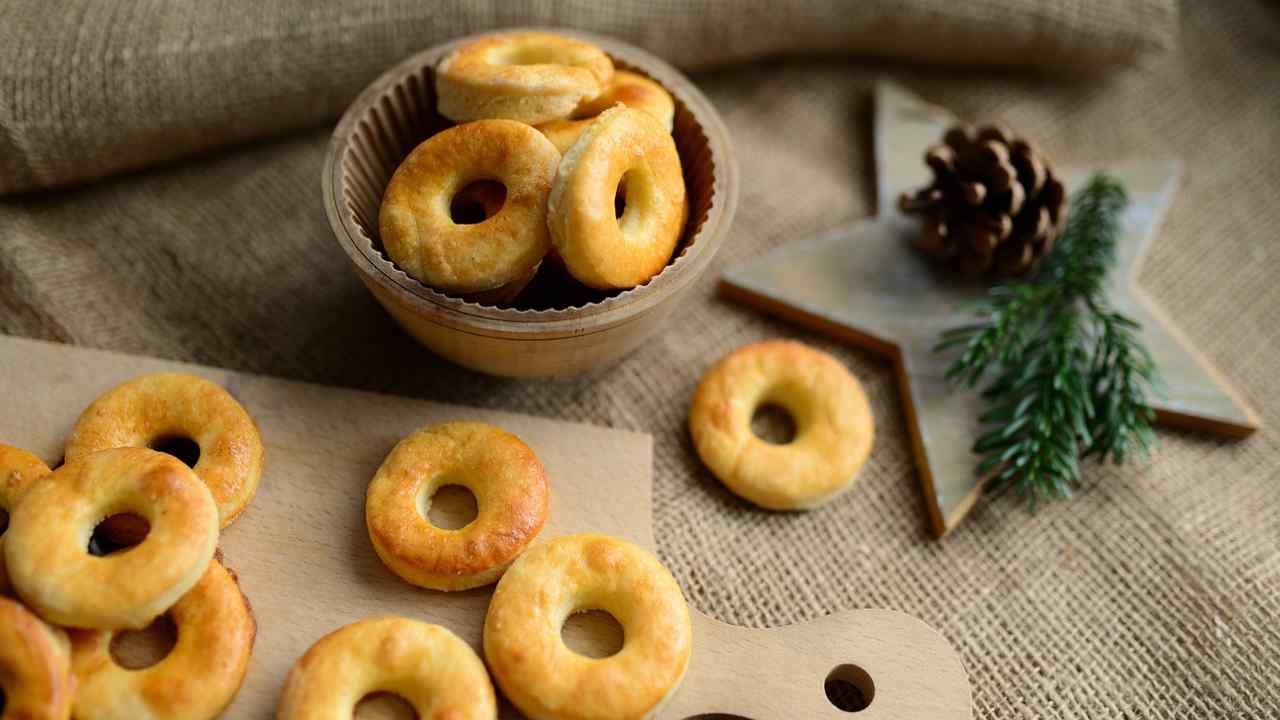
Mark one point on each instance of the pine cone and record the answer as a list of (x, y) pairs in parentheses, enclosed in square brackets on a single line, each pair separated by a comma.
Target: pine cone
[(994, 204)]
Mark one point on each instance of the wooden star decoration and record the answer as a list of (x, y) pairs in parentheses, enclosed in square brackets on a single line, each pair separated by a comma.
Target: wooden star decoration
[(866, 284)]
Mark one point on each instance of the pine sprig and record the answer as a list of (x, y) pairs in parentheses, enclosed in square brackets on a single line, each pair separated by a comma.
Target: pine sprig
[(1121, 373), (1070, 377)]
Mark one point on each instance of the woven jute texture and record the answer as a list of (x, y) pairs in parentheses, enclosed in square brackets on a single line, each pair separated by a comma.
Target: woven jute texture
[(1154, 594), (90, 88)]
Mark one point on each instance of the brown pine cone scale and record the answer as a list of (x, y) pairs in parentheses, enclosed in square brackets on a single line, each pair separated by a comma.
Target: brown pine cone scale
[(994, 206)]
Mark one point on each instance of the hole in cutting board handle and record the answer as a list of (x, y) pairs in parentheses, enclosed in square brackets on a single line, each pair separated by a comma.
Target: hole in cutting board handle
[(849, 688)]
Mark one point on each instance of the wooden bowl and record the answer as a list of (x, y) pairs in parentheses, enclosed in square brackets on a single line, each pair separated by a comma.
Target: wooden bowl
[(555, 336)]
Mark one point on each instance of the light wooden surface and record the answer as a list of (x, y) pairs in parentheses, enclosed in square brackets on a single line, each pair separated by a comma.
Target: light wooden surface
[(304, 559), (866, 284), (397, 111)]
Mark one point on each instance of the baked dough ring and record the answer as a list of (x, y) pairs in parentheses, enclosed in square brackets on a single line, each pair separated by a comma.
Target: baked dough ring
[(547, 680), (504, 474), (532, 77), (482, 200), (419, 233), (602, 250), (426, 665), (506, 295), (834, 427), (18, 469), (197, 679), (630, 89), (152, 408), (46, 545), (35, 678)]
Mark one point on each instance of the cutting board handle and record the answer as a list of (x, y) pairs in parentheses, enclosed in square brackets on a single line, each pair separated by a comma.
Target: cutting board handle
[(903, 668)]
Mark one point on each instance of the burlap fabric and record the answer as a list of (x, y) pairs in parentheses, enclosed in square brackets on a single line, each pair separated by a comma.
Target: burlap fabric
[(1154, 594), (89, 88)]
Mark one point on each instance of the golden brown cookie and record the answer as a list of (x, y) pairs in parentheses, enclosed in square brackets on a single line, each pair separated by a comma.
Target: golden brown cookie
[(419, 232), (622, 151), (426, 665), (532, 77), (196, 680), (510, 487), (35, 677), (833, 423), (548, 681), (46, 544), (476, 203), (630, 89), (18, 469), (152, 409), (508, 294)]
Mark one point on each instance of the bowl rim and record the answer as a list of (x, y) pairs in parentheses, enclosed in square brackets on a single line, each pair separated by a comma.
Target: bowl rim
[(488, 320)]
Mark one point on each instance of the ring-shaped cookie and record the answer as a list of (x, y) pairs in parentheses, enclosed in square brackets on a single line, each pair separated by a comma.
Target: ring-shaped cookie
[(426, 665), (418, 230), (630, 89), (833, 425), (510, 487), (481, 201), (197, 679), (547, 680), (151, 409), (532, 77), (46, 548), (601, 250), (35, 660), (508, 294), (18, 469)]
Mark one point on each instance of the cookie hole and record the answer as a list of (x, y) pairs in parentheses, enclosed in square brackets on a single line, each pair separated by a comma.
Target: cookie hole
[(451, 507), (773, 424), (384, 706), (138, 649), (117, 533), (849, 688), (477, 202), (593, 634), (2, 701), (620, 199), (532, 55), (61, 461), (179, 446), (4, 520)]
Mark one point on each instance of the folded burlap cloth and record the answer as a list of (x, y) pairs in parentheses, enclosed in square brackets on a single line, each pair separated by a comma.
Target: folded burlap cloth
[(91, 88), (1154, 595)]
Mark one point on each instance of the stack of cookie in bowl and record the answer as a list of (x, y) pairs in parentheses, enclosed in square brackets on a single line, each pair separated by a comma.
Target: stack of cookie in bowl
[(559, 164), (120, 537)]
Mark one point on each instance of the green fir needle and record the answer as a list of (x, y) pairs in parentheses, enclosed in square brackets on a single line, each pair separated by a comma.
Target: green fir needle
[(1066, 374)]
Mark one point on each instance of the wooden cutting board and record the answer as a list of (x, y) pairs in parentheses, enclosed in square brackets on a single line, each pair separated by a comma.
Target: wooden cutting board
[(304, 559)]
